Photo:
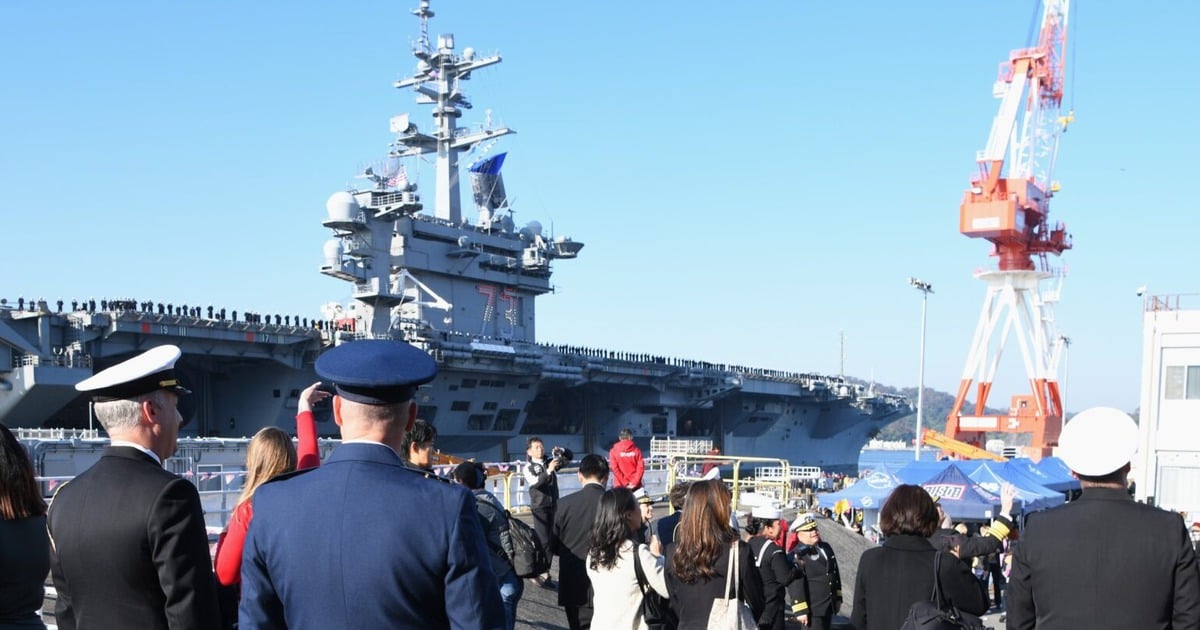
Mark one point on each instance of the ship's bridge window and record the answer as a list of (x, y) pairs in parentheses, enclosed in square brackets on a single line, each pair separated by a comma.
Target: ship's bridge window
[(490, 406), (460, 405), (1182, 382), (479, 421), (427, 413), (507, 419), (469, 383)]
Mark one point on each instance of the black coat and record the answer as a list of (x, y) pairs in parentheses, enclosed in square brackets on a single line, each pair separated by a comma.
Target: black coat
[(573, 535), (541, 484), (777, 572), (893, 577), (24, 565), (692, 602), (130, 549), (821, 586), (1104, 561)]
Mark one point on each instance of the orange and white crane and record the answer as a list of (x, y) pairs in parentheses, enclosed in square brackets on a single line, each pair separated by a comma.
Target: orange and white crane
[(1010, 208)]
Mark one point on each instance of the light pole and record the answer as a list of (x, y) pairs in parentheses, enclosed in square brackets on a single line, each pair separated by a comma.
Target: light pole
[(1066, 342), (925, 288)]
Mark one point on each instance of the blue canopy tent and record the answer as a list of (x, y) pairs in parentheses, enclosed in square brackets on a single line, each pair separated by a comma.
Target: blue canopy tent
[(992, 475), (961, 498), (1058, 470), (868, 493), (1052, 478), (918, 472)]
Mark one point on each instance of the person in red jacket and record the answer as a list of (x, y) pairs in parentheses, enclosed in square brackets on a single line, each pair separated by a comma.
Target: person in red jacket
[(625, 461), (270, 453)]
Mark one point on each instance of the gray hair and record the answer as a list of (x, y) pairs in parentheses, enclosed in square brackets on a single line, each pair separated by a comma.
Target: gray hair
[(123, 415)]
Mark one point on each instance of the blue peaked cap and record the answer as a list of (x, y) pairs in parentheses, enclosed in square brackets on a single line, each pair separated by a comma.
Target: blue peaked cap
[(376, 371)]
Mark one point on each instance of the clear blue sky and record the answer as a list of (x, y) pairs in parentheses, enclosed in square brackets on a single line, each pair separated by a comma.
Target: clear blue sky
[(750, 178)]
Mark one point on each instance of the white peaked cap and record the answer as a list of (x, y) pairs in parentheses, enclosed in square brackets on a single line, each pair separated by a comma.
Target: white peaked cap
[(151, 370), (1098, 441), (768, 511)]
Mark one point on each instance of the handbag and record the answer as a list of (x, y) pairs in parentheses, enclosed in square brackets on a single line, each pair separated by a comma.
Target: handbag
[(731, 614), (935, 613), (656, 610)]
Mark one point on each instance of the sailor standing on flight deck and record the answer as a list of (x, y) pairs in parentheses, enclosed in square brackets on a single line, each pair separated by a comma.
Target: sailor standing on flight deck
[(129, 548)]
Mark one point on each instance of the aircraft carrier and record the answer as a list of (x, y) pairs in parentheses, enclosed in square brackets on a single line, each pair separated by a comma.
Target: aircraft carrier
[(462, 289)]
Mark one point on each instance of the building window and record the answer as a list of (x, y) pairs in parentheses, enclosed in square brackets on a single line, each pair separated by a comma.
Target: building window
[(1182, 382), (480, 421)]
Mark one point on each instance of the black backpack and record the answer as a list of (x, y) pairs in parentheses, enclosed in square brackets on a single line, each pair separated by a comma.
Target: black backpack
[(529, 556)]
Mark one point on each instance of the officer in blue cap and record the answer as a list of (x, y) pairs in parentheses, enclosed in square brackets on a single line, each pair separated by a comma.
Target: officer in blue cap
[(364, 541)]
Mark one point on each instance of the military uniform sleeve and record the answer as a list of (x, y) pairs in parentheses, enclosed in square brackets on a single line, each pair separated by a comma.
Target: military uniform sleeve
[(1186, 609), (260, 606), (64, 612), (472, 595), (798, 591), (179, 550), (975, 546)]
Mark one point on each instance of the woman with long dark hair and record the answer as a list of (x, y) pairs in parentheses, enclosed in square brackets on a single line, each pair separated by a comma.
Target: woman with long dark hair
[(696, 563), (24, 543), (612, 561), (894, 576)]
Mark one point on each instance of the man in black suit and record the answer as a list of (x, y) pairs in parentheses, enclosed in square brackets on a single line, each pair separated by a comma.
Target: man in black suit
[(572, 537), (129, 544), (1103, 561)]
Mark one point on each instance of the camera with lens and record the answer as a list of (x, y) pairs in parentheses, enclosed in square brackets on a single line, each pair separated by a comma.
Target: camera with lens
[(562, 455)]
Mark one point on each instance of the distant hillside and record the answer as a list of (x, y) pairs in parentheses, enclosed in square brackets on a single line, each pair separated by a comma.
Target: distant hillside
[(937, 406)]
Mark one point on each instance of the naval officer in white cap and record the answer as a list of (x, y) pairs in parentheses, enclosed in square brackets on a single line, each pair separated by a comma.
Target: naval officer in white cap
[(129, 545), (365, 541), (1103, 561)]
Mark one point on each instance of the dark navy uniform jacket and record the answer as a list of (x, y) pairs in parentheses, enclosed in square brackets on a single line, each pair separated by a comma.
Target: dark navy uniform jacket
[(1104, 561), (365, 542), (130, 550)]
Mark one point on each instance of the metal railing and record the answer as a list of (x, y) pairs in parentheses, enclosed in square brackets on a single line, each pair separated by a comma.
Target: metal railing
[(694, 467)]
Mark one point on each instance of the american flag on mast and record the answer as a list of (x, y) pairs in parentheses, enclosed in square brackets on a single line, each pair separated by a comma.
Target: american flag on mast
[(399, 179)]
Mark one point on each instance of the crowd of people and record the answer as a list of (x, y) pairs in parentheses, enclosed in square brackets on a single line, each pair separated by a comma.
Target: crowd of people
[(371, 538)]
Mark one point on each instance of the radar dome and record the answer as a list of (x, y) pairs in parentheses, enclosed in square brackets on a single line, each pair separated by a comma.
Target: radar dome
[(468, 53), (333, 252), (341, 206), (533, 227)]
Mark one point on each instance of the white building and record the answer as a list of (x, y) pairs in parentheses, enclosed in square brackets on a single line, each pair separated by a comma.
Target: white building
[(1168, 470)]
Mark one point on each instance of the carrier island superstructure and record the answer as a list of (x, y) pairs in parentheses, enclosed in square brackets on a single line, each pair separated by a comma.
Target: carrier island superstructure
[(465, 291)]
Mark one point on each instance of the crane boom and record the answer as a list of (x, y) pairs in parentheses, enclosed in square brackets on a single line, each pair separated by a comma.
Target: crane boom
[(1010, 209)]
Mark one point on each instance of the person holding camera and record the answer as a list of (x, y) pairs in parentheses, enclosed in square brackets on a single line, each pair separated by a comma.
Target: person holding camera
[(541, 479)]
